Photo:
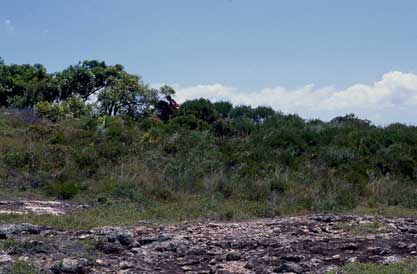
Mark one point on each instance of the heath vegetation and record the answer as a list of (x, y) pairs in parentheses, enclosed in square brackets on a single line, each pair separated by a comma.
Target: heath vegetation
[(95, 134)]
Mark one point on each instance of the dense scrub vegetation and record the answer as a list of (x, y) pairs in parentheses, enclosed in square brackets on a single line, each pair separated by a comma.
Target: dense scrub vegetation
[(54, 140)]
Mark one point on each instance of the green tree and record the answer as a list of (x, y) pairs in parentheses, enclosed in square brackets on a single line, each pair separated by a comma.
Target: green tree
[(166, 90), (223, 108), (75, 107), (23, 86), (201, 108), (125, 94)]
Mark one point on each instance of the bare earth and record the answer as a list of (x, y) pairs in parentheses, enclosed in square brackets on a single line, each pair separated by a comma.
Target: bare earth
[(302, 244)]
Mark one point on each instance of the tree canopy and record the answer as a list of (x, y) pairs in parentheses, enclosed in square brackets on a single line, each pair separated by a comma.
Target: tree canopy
[(110, 88)]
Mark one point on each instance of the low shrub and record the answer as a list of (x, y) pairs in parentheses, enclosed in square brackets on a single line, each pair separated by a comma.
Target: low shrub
[(18, 158), (53, 112), (65, 190)]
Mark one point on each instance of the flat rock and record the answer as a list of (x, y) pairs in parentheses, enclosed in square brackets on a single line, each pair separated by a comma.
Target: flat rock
[(298, 244)]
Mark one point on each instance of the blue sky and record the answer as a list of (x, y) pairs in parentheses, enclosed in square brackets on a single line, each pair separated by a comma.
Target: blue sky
[(236, 47)]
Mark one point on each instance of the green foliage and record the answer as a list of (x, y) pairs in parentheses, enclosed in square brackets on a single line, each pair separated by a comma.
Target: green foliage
[(202, 109), (362, 228), (75, 107), (17, 158), (65, 190), (166, 91), (405, 267), (124, 95), (53, 112), (241, 112), (120, 149), (223, 108), (223, 128), (22, 86), (22, 267), (281, 159), (66, 92), (188, 122), (128, 191)]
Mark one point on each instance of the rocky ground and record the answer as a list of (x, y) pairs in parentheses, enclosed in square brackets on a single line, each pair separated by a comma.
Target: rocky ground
[(304, 244), (25, 206)]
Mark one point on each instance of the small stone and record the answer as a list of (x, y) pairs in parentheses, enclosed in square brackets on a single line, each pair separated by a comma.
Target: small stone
[(84, 236), (350, 246), (24, 258), (293, 258), (5, 259), (250, 264), (126, 265), (336, 257), (113, 234), (315, 262), (124, 271), (164, 237), (352, 260), (328, 268), (289, 267), (71, 266), (187, 268), (196, 251), (233, 256), (315, 229), (391, 260), (109, 248), (146, 241)]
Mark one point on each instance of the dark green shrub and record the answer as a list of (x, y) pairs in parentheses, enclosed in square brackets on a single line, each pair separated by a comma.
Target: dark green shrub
[(400, 159), (18, 158), (187, 122), (223, 108), (119, 130), (53, 112), (251, 189), (202, 109), (89, 122), (150, 122), (222, 128), (262, 113), (128, 191), (57, 138), (39, 132), (226, 216), (243, 126), (163, 194), (350, 120), (285, 139), (52, 157), (337, 156), (241, 112), (22, 267), (65, 190), (278, 185), (75, 107), (111, 150), (87, 159)]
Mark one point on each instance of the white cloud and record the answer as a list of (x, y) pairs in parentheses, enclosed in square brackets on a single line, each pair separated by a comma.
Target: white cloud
[(9, 25), (391, 99)]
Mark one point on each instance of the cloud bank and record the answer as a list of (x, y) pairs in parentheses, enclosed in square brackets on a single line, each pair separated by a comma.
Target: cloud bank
[(391, 99)]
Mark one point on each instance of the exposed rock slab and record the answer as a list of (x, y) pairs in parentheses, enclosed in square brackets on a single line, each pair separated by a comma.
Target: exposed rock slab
[(303, 244), (24, 206)]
